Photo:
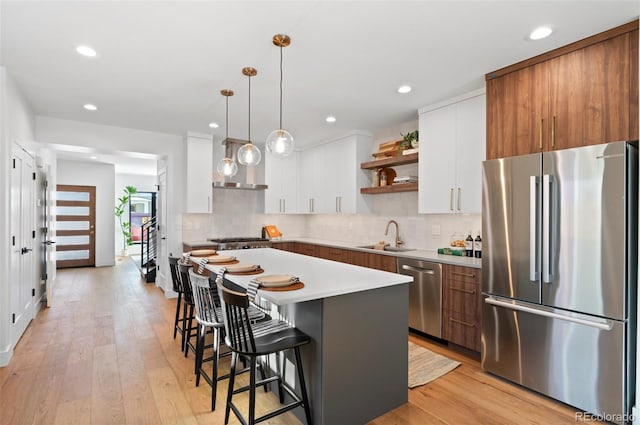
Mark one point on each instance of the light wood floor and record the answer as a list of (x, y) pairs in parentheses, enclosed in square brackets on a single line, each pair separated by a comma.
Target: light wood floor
[(105, 354)]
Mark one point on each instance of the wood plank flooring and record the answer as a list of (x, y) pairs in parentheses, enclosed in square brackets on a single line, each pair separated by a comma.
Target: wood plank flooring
[(105, 354)]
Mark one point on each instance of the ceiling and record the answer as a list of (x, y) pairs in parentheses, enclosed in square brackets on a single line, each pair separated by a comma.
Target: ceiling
[(161, 65)]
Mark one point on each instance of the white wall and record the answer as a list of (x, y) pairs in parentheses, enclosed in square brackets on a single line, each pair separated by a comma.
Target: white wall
[(102, 176), (142, 184), (16, 123), (168, 148)]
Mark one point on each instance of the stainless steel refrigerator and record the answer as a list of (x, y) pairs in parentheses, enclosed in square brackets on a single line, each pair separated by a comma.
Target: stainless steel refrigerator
[(559, 274)]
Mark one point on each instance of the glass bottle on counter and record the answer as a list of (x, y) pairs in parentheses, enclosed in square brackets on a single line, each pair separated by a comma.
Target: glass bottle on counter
[(468, 245), (477, 246)]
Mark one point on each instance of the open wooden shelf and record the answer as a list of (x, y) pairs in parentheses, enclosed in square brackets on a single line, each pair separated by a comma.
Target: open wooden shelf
[(389, 162), (398, 187)]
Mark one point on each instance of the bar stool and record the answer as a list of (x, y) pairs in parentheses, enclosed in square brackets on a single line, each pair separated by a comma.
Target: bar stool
[(178, 324), (208, 316), (251, 340), (189, 305)]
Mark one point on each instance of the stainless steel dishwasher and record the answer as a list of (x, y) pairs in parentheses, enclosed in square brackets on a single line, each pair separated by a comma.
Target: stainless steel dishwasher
[(425, 295)]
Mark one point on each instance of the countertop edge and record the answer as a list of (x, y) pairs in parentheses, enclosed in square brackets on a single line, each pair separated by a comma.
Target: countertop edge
[(417, 254)]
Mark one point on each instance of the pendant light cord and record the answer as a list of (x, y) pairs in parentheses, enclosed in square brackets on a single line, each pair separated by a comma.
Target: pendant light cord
[(281, 87), (250, 109)]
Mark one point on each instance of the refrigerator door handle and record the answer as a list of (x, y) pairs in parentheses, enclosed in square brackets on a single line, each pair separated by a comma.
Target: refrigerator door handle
[(533, 228), (547, 249), (606, 326)]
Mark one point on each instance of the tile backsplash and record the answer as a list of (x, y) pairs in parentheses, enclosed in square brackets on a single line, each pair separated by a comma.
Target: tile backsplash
[(237, 213)]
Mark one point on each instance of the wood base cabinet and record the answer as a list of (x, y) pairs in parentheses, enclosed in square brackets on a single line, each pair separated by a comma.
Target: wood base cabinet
[(341, 255), (582, 94), (461, 306)]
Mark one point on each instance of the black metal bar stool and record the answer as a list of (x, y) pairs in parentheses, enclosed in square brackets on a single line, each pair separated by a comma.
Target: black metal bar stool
[(251, 340), (188, 329), (178, 324)]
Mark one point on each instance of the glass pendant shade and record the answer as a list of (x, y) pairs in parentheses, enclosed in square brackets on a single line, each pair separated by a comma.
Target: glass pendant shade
[(227, 167), (280, 142), (249, 155)]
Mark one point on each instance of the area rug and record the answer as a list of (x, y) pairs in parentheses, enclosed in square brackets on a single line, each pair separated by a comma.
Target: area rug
[(425, 365)]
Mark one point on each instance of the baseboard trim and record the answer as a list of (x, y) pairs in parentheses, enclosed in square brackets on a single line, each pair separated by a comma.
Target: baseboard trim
[(5, 357)]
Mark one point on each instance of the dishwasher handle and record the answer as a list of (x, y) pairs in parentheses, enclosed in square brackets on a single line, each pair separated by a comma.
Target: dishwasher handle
[(417, 269)]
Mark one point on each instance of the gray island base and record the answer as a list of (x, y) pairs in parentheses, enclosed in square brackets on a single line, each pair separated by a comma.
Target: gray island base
[(357, 363)]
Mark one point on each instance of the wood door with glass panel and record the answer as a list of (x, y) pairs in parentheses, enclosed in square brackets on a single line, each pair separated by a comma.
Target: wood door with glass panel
[(75, 226)]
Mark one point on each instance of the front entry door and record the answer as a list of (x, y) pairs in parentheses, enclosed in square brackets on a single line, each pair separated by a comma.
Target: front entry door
[(75, 224)]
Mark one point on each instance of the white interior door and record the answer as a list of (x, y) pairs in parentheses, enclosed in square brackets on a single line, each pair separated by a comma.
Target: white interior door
[(163, 255), (22, 285)]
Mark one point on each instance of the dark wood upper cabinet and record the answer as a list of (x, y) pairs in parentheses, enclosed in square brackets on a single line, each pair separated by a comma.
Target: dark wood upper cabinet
[(582, 94)]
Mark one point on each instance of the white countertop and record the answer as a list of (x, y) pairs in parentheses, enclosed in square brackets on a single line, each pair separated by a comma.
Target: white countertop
[(417, 254), (321, 278)]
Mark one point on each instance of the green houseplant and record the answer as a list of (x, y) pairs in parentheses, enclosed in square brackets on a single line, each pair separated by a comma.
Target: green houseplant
[(125, 226), (409, 140)]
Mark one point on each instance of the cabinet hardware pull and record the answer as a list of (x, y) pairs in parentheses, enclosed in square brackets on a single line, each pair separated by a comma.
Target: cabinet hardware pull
[(208, 203), (451, 200), (340, 203), (337, 210), (459, 199), (463, 274), (541, 129), (466, 291), (553, 132), (284, 205), (471, 325)]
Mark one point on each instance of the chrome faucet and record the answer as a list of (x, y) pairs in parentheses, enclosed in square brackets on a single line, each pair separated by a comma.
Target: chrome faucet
[(398, 240)]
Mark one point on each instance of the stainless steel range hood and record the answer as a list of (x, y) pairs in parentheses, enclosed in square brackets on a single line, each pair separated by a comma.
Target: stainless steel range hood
[(248, 178)]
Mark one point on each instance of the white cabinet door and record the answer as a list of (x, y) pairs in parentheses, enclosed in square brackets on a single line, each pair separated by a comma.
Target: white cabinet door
[(452, 148), (437, 161), (281, 177), (306, 183), (199, 175), (470, 152)]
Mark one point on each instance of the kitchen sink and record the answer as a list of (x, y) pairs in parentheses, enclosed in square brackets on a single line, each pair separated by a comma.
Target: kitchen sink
[(386, 248)]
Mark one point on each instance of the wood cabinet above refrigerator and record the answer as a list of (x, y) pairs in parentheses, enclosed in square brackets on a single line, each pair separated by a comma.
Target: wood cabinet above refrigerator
[(581, 94)]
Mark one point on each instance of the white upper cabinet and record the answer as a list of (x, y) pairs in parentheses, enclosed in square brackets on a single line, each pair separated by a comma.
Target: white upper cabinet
[(452, 148), (330, 176), (199, 174), (281, 175)]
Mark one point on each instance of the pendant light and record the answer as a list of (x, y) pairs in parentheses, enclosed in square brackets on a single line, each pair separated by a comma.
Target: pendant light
[(227, 167), (280, 141), (249, 154)]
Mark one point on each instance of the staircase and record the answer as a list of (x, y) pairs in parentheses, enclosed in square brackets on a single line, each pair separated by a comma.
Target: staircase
[(149, 247)]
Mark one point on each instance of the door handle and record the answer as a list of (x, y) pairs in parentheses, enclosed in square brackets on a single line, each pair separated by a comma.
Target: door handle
[(459, 190), (547, 227), (606, 326), (533, 228), (25, 250), (451, 199), (163, 239), (49, 242), (417, 269)]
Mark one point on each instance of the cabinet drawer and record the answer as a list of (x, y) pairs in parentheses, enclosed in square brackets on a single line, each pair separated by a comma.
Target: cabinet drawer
[(461, 329), (462, 298), (463, 274)]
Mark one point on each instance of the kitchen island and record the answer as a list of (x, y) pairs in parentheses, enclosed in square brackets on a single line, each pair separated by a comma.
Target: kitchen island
[(356, 365)]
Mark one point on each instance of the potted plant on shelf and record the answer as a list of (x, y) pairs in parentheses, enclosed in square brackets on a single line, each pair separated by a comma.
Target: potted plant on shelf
[(409, 141), (125, 226)]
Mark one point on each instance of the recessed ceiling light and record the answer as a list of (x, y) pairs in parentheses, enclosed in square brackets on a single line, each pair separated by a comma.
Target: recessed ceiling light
[(330, 118), (540, 33), (213, 125), (90, 107), (86, 51), (404, 89), (93, 157)]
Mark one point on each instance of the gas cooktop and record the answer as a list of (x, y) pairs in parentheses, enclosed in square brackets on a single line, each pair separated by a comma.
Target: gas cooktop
[(240, 243)]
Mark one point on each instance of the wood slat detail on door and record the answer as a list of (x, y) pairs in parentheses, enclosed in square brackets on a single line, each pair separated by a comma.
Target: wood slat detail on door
[(78, 247), (73, 218), (73, 203), (72, 232)]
